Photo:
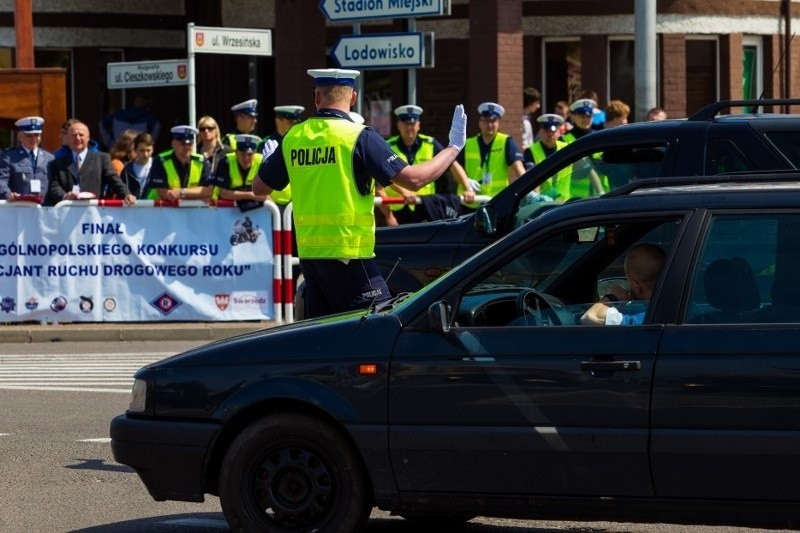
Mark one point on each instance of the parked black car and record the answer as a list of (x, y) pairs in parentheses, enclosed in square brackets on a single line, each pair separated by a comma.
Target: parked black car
[(706, 143), (482, 395)]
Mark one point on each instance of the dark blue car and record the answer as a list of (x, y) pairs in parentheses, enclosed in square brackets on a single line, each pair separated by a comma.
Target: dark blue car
[(484, 394)]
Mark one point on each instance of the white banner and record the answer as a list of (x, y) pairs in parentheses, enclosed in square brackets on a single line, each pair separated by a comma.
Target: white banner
[(106, 264)]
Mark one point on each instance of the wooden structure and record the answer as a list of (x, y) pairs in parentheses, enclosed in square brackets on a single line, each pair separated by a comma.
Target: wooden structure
[(35, 92)]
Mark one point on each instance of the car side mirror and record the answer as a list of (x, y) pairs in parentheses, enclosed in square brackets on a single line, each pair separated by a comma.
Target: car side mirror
[(486, 220), (439, 316)]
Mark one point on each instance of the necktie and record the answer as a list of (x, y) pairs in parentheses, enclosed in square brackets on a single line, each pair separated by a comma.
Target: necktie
[(79, 161), (33, 160)]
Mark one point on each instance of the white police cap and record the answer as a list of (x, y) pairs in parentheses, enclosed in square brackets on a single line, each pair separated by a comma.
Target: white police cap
[(583, 106), (184, 133), (333, 76), (30, 124), (408, 113), (247, 143), (491, 109), (248, 107), (291, 112), (356, 117), (550, 121)]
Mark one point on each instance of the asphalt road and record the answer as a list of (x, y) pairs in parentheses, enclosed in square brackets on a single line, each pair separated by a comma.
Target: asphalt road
[(57, 473)]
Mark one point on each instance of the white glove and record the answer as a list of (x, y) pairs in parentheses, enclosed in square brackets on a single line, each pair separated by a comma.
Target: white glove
[(458, 129), (474, 185), (270, 145)]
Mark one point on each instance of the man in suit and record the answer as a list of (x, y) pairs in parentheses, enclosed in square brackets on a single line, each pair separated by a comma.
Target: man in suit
[(82, 171), (23, 169)]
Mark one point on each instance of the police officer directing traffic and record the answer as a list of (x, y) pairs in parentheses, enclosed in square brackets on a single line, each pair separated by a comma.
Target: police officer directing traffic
[(23, 169), (331, 162)]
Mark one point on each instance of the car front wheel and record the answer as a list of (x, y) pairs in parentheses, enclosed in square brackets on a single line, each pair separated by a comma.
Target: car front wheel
[(292, 472)]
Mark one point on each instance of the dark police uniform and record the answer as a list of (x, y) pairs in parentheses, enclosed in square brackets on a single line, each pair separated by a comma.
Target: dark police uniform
[(248, 107), (21, 171)]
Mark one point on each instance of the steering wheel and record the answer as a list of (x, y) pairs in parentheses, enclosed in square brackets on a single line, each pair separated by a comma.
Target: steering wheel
[(538, 309)]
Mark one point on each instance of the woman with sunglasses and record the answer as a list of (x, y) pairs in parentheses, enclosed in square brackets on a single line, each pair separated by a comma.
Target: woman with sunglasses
[(209, 142)]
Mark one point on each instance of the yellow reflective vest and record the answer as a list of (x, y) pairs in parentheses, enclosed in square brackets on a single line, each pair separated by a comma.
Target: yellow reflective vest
[(173, 179), (492, 172), (333, 220), (424, 153), (557, 187)]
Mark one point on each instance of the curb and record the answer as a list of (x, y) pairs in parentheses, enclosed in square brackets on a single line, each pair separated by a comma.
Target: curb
[(127, 332)]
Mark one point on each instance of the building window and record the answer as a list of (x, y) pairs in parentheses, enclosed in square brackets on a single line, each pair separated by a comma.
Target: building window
[(752, 60), (702, 73), (621, 71), (562, 72)]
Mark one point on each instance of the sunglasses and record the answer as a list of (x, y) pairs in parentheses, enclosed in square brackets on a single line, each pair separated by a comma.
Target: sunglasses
[(206, 128)]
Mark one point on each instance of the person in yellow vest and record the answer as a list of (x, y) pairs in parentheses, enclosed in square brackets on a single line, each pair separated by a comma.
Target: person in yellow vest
[(234, 177), (492, 159), (585, 179), (414, 147), (180, 174), (331, 163), (246, 116), (556, 188), (286, 116)]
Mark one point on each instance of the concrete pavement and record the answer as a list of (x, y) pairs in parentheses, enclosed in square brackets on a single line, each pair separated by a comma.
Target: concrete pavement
[(125, 331)]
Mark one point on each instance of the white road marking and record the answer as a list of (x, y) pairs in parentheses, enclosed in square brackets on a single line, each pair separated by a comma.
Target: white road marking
[(100, 439), (83, 372)]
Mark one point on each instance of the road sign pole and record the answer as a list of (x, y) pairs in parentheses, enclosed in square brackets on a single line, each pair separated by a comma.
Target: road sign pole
[(360, 79), (412, 72), (190, 68)]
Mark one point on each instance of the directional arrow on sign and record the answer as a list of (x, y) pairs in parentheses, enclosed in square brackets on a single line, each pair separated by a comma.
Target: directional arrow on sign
[(380, 50), (338, 10)]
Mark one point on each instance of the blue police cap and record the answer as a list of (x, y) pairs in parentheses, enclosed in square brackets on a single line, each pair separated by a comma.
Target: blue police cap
[(292, 112), (30, 124), (408, 113), (550, 121), (184, 133), (247, 143), (491, 109), (583, 106), (248, 107), (333, 76)]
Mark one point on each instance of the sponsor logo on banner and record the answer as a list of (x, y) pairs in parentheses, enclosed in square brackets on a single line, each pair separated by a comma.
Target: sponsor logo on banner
[(86, 305), (8, 304), (31, 304), (58, 304), (166, 303), (182, 71), (199, 38), (249, 301), (109, 304), (222, 301)]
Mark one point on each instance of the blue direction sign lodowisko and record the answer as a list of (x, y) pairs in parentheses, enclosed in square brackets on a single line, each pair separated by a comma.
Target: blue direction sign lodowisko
[(339, 10), (380, 50)]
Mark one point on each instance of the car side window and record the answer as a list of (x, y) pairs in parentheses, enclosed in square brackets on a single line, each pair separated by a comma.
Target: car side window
[(591, 174), (788, 142), (747, 272), (723, 156), (556, 280)]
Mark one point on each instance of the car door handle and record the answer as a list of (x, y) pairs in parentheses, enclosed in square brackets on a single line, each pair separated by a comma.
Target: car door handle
[(610, 366)]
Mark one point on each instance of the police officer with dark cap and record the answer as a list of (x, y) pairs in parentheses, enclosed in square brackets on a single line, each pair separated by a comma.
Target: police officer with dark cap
[(557, 187), (23, 169), (235, 176), (586, 180), (246, 116), (331, 162), (179, 173)]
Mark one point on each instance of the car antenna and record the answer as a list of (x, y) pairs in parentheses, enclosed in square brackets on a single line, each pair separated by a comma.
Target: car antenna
[(779, 63), (371, 306)]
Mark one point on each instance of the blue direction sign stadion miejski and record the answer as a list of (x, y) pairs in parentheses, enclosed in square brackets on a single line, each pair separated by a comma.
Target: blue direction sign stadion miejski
[(380, 50), (340, 10)]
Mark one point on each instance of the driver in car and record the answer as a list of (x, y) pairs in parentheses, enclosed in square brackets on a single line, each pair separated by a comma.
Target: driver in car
[(642, 267)]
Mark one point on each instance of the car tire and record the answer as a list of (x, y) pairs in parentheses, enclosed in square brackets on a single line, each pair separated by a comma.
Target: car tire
[(292, 472)]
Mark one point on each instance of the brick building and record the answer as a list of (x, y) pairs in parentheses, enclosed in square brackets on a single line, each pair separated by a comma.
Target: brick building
[(484, 50)]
